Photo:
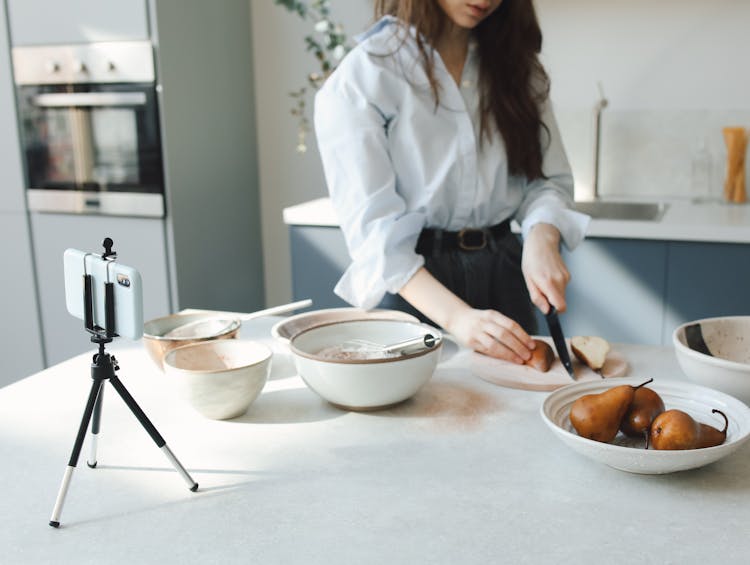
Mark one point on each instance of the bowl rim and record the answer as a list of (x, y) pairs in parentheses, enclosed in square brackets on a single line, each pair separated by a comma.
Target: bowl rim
[(298, 352), (233, 327), (363, 313), (661, 453), (268, 353), (708, 359)]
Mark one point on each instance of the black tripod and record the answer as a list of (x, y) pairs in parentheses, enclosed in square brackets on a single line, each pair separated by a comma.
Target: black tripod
[(104, 367)]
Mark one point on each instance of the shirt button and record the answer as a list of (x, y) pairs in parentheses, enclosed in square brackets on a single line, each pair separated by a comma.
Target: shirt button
[(466, 83)]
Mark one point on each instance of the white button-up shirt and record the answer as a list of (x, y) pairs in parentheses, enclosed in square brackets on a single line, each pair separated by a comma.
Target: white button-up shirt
[(394, 163)]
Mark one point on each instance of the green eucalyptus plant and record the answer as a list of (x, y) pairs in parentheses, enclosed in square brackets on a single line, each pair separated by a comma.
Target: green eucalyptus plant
[(328, 43)]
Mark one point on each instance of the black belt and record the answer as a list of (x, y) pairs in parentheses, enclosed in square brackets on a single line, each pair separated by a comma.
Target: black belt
[(431, 239)]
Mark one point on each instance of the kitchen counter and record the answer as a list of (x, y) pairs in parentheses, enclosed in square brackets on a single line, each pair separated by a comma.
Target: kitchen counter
[(465, 472), (682, 221)]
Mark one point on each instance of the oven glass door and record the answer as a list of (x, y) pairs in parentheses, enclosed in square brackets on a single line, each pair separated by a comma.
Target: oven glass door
[(94, 138)]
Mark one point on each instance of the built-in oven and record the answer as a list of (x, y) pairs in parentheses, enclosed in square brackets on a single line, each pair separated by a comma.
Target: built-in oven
[(90, 128)]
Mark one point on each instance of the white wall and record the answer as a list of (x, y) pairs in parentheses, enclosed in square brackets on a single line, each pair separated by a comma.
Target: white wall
[(286, 176), (674, 72)]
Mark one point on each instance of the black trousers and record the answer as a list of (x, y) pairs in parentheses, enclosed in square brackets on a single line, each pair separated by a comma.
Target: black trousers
[(486, 278)]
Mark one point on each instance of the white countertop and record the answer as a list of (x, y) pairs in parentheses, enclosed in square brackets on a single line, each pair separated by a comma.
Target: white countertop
[(682, 221), (465, 472)]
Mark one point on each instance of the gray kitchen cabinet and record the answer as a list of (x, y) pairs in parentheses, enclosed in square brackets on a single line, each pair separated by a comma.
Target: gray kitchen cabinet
[(12, 194), (208, 130), (705, 280), (206, 252), (633, 291), (20, 332), (49, 22), (139, 243), (20, 337)]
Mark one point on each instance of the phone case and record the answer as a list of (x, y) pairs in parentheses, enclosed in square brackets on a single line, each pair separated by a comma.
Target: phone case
[(127, 285)]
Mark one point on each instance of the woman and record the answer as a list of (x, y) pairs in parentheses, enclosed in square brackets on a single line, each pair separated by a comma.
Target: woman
[(434, 132)]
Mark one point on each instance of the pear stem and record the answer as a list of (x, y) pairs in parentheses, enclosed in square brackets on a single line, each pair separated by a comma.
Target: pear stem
[(643, 384), (726, 421)]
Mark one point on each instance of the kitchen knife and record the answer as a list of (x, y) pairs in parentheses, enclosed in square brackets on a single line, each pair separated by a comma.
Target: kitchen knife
[(556, 332)]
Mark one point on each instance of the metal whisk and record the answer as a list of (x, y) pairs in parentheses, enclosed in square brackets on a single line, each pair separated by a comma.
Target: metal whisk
[(425, 341)]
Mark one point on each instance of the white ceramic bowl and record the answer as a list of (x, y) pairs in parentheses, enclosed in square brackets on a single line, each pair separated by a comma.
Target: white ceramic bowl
[(364, 384), (219, 378), (728, 339), (289, 327), (157, 345), (628, 454)]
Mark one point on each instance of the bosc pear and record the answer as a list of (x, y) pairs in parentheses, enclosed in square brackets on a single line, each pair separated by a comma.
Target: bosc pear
[(646, 405), (674, 429), (598, 416)]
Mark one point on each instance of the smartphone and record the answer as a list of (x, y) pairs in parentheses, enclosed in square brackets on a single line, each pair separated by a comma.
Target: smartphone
[(127, 287)]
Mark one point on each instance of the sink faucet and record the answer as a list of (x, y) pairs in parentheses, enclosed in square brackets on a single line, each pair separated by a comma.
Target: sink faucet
[(593, 191), (600, 105)]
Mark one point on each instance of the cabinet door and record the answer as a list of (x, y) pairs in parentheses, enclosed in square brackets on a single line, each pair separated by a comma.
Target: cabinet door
[(706, 280), (20, 336), (139, 243), (319, 258), (616, 290), (49, 22), (12, 193)]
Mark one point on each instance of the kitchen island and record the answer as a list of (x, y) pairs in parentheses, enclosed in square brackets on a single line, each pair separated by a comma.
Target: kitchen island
[(464, 472)]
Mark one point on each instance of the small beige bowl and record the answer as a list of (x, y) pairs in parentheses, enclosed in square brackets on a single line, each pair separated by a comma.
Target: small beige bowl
[(219, 378), (728, 370), (158, 346)]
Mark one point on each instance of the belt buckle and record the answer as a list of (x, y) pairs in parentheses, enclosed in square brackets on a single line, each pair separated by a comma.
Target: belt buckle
[(466, 236)]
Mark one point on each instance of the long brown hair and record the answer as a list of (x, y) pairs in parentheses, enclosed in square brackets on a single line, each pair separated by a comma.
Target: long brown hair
[(512, 82)]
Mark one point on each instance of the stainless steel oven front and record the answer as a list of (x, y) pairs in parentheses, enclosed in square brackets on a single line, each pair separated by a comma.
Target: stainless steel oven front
[(90, 128)]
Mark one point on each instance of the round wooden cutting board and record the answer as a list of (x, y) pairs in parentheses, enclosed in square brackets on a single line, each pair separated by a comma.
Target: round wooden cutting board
[(524, 377)]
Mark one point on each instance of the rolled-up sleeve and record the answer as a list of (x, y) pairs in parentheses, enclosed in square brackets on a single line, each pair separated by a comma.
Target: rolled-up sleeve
[(380, 234), (550, 200)]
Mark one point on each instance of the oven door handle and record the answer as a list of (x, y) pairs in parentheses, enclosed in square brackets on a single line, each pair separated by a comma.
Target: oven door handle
[(73, 99)]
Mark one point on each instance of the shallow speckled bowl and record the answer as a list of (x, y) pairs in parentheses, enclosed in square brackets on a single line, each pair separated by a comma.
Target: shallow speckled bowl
[(219, 378), (628, 454), (728, 370), (158, 346)]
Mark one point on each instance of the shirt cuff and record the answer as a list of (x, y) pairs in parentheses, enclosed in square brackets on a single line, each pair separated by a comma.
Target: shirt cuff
[(360, 288), (572, 225)]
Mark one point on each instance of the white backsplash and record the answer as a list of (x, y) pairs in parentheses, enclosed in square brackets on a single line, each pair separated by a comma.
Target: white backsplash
[(648, 154)]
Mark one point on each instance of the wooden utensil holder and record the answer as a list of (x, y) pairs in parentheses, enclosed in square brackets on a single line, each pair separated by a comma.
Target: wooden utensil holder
[(735, 139)]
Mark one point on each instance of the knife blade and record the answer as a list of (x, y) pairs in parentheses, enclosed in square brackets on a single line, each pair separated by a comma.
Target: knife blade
[(555, 330)]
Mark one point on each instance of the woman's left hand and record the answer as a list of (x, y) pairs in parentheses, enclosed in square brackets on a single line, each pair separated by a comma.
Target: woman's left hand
[(543, 268)]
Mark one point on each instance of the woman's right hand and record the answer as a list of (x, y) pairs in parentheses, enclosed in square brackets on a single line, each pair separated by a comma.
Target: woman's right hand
[(491, 333), (485, 331)]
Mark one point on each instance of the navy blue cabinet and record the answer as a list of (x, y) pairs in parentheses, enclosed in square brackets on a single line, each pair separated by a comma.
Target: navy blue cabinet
[(626, 290), (705, 280), (319, 258), (616, 290)]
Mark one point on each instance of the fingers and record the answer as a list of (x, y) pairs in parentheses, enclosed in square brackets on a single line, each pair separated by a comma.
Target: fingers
[(549, 289), (537, 297), (502, 337)]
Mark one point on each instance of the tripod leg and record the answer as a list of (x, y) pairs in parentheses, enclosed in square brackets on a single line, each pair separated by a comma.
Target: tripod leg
[(155, 435), (57, 510), (95, 423)]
